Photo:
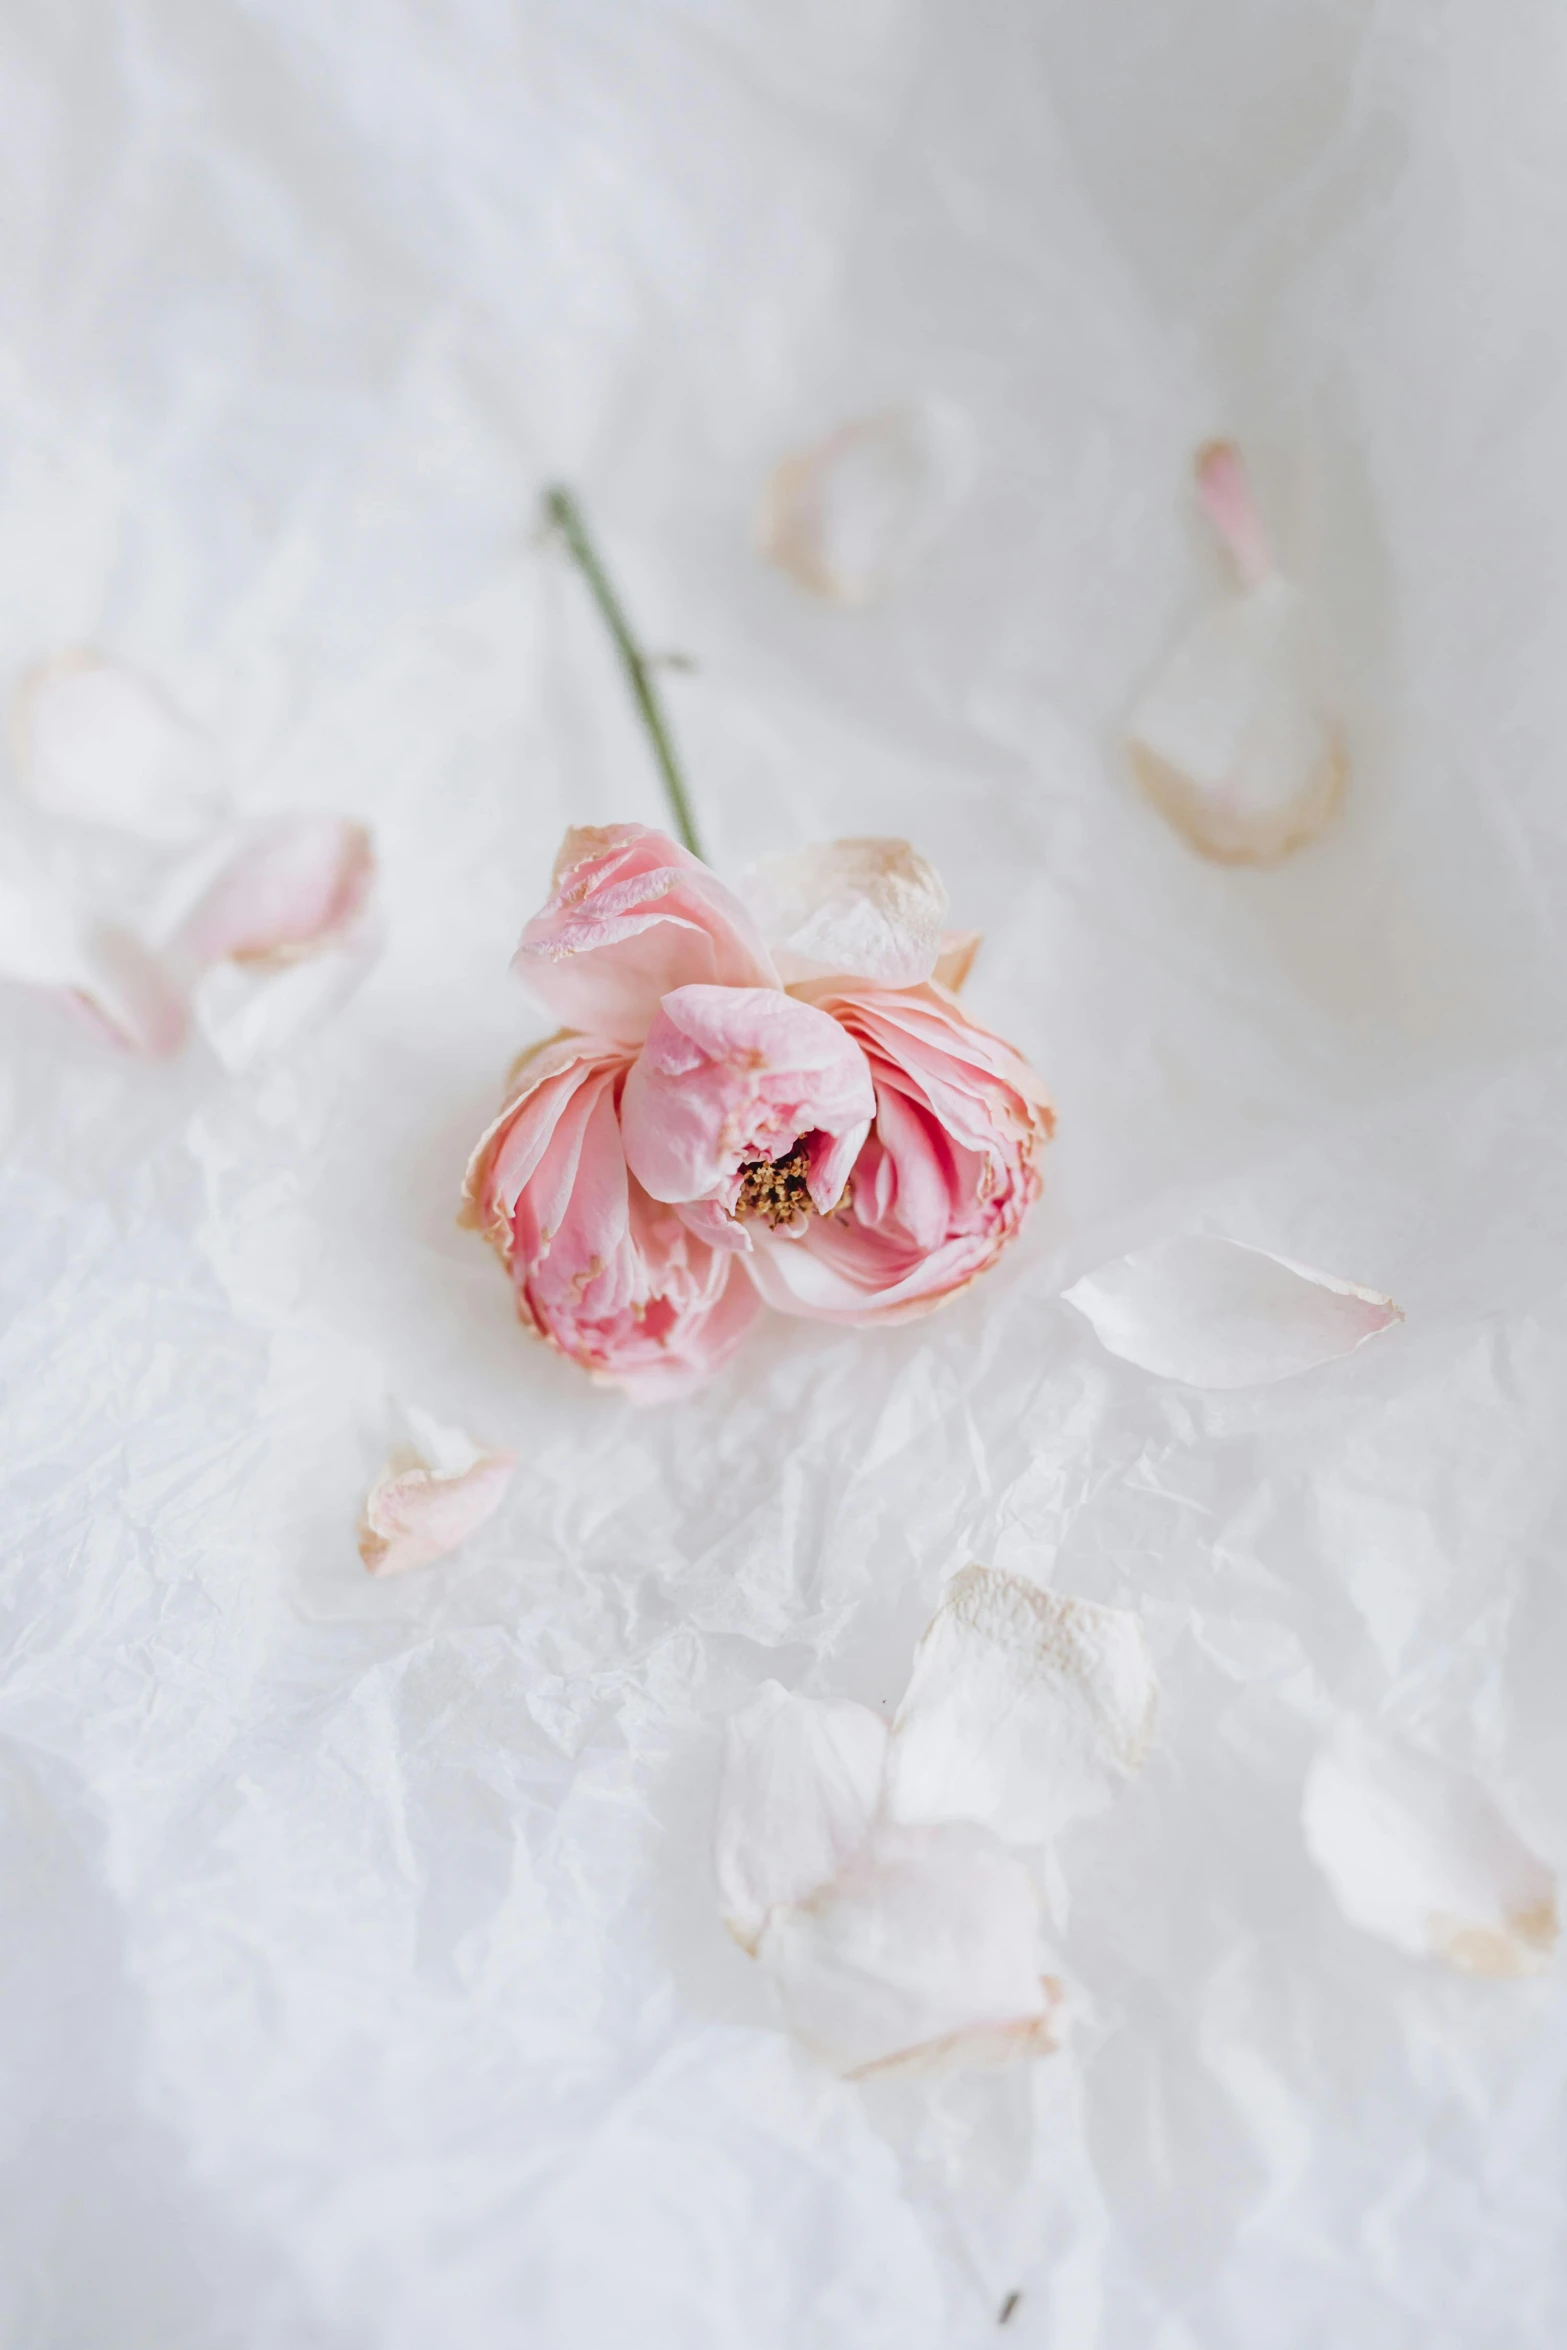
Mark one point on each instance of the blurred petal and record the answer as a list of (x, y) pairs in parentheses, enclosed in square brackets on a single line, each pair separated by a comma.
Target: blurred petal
[(955, 959), (97, 742), (801, 1780), (436, 1490), (1217, 1313), (254, 1011), (867, 909), (1419, 1854), (1236, 739), (922, 1953), (49, 940), (1026, 1709), (277, 892), (849, 517)]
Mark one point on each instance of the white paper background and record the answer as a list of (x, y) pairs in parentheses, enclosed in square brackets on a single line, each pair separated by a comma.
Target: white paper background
[(360, 1982)]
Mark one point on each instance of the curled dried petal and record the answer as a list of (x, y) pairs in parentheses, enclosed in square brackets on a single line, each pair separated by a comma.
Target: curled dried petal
[(1418, 1853), (1219, 1313), (850, 516), (801, 1781), (1026, 1709), (51, 940), (283, 890), (96, 741), (436, 1489), (923, 1952), (866, 909)]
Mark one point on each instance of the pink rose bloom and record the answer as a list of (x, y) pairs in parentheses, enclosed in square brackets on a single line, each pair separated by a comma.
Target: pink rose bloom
[(946, 1174), (609, 1276)]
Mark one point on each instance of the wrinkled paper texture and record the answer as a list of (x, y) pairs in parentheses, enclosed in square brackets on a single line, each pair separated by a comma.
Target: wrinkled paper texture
[(361, 1975)]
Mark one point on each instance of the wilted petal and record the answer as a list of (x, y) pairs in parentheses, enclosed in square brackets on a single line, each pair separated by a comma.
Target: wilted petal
[(277, 892), (437, 1488), (1026, 1710), (801, 1780), (1418, 1853), (867, 909), (922, 1952), (849, 517), (96, 741), (1237, 740), (1217, 1313)]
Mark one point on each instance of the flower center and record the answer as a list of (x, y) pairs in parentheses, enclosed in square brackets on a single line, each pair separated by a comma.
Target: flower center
[(777, 1190)]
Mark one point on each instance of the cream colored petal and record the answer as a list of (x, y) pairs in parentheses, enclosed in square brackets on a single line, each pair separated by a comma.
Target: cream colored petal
[(1418, 1853), (436, 1489), (955, 959), (1217, 1313), (850, 516), (800, 1783), (250, 1013), (867, 909), (95, 741), (51, 940), (1026, 1709), (923, 1952)]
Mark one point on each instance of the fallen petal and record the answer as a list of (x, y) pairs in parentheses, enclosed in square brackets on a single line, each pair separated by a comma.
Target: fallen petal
[(1419, 1854), (95, 741), (250, 1013), (851, 516), (1217, 1313), (1026, 1709), (865, 909), (104, 969), (276, 893), (800, 1784), (436, 1489), (923, 1953), (1237, 740)]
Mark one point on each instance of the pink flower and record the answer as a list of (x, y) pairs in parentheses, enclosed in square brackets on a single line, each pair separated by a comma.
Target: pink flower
[(603, 1272), (631, 917), (749, 1104), (944, 1178)]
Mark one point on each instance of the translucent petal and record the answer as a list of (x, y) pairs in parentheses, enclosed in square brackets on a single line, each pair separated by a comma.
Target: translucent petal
[(851, 516), (1217, 1313), (1026, 1709), (1419, 1854), (94, 740), (866, 909), (923, 1952), (801, 1781)]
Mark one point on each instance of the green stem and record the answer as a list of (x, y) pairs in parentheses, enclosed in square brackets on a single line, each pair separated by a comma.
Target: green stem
[(563, 512)]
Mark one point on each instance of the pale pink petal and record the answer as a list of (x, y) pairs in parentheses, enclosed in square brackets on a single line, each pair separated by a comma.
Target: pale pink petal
[(1026, 1709), (850, 516), (733, 1077), (1226, 493), (868, 909), (252, 1012), (96, 741), (923, 1951), (1418, 1853), (632, 916), (800, 1784), (104, 969), (437, 1488), (1218, 1313), (284, 889)]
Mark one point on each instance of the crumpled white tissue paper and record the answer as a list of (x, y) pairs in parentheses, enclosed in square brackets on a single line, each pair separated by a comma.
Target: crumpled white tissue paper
[(360, 1975)]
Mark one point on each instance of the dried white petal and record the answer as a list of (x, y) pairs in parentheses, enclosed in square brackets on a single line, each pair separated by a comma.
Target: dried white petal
[(1217, 1313), (923, 1952), (250, 1013), (849, 517), (1236, 739), (866, 909), (52, 940), (94, 740), (800, 1785), (1026, 1709), (436, 1489), (1418, 1853)]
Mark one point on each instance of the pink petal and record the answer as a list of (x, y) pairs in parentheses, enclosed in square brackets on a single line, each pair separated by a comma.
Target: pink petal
[(432, 1494), (1221, 1314), (104, 969), (1226, 493), (290, 888)]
